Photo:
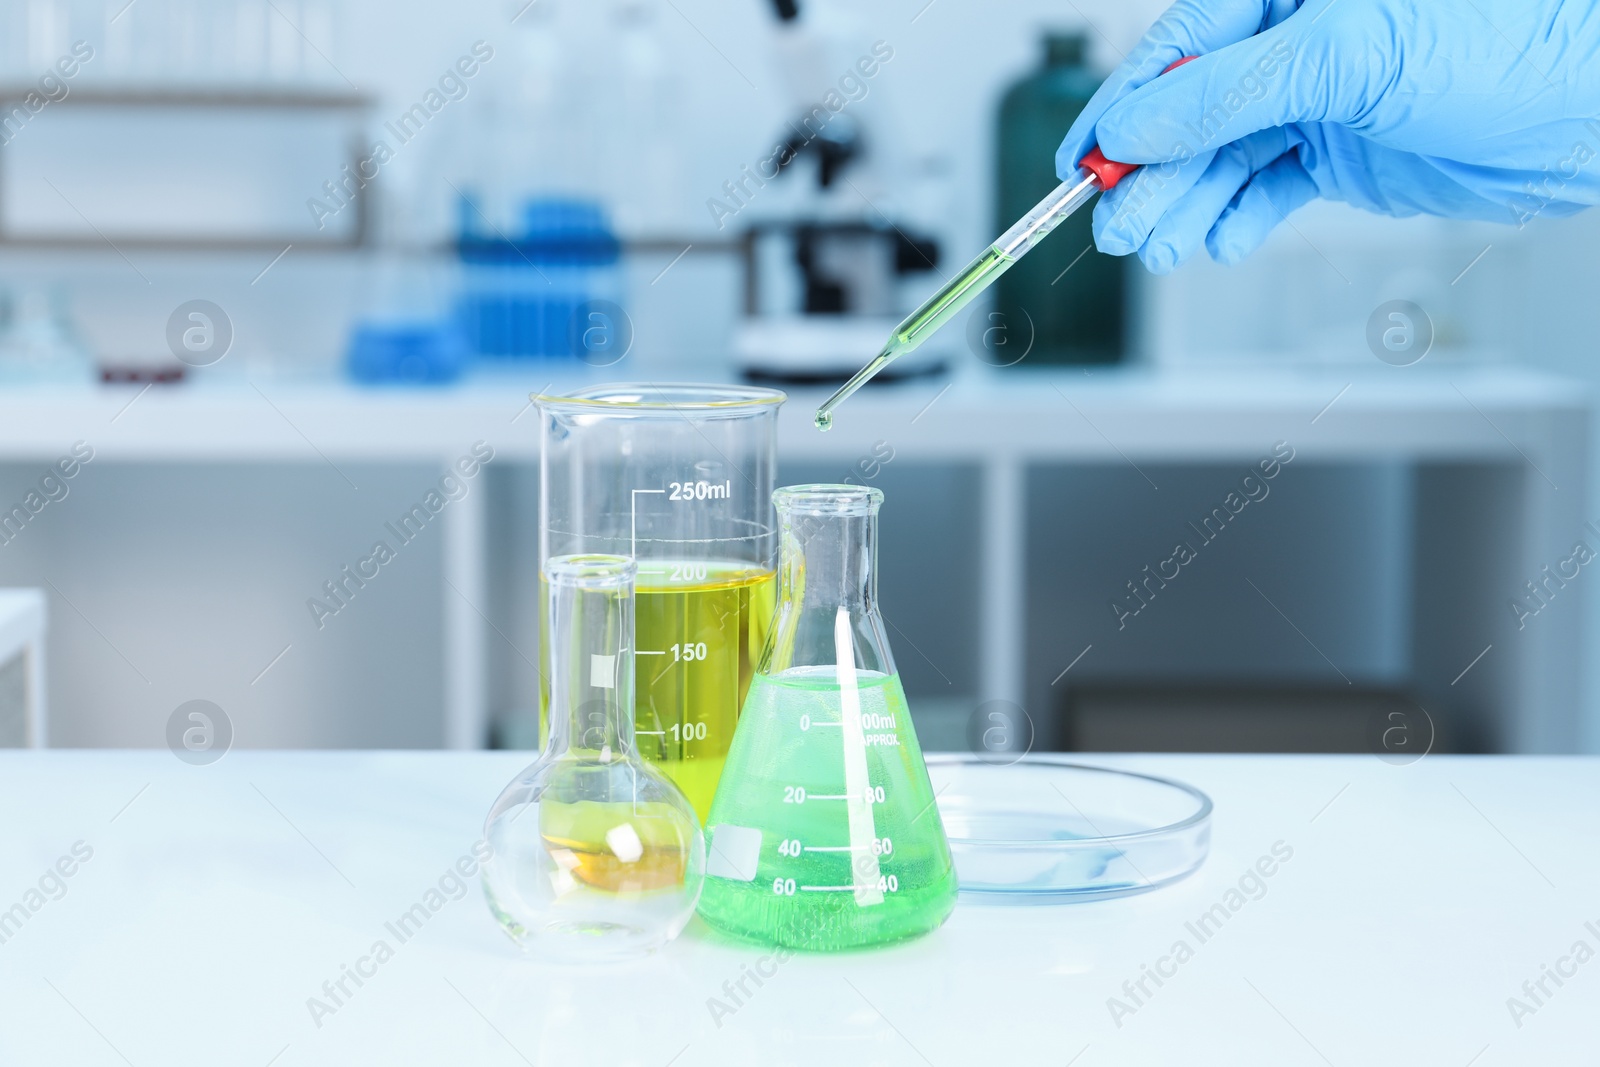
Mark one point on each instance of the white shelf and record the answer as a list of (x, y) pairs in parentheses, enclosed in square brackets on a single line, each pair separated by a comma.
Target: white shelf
[(998, 422), (1049, 415)]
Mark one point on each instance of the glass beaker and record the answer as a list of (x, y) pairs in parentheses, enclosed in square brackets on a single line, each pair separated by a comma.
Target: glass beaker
[(596, 855), (824, 833), (680, 478)]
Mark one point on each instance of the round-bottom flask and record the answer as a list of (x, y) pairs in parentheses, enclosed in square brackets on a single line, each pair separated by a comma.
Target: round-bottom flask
[(597, 855), (824, 833)]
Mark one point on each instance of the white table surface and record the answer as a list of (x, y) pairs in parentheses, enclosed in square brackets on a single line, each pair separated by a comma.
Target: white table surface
[(218, 899)]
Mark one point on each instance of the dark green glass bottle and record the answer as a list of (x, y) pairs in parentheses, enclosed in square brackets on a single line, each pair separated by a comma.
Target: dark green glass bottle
[(1078, 315)]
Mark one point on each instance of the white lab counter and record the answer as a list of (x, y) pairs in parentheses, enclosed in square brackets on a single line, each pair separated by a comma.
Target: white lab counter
[(1414, 902), (999, 423)]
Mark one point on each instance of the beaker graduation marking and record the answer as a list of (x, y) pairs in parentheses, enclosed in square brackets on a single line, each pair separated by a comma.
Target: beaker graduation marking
[(633, 522), (673, 574)]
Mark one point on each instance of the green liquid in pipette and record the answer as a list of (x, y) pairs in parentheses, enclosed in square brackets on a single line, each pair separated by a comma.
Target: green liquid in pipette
[(924, 322), (942, 306)]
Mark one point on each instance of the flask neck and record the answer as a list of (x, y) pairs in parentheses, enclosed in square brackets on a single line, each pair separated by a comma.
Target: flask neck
[(828, 560), (590, 627), (827, 582)]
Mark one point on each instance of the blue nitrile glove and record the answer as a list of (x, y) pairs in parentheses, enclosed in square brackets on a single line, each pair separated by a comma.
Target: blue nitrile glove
[(1479, 109)]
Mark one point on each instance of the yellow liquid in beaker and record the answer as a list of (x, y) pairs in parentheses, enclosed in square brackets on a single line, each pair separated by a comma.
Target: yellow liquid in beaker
[(699, 628)]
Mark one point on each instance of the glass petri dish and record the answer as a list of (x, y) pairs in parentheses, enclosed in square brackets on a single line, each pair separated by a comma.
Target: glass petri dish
[(1045, 830)]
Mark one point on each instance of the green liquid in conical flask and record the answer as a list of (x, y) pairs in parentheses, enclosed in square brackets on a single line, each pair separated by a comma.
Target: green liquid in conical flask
[(824, 834)]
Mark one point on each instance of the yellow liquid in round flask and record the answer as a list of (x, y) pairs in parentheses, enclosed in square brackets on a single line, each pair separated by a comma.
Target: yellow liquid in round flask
[(595, 854)]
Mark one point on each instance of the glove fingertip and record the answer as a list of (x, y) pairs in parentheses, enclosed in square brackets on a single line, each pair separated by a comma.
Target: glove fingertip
[(1112, 234), (1159, 257), (1229, 242), (1112, 242), (1228, 255), (1260, 206)]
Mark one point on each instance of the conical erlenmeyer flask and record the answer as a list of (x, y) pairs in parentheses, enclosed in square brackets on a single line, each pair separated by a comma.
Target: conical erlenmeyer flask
[(824, 833), (596, 854)]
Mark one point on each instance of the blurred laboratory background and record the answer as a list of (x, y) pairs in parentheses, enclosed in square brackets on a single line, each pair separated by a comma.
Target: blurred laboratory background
[(271, 270)]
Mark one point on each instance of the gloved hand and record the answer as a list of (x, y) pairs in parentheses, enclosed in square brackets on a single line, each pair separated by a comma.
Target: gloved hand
[(1479, 109)]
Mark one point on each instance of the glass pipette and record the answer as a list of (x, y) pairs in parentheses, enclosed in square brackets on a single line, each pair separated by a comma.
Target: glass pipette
[(1095, 173)]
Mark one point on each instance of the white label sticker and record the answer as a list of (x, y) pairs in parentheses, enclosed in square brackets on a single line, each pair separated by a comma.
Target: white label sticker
[(733, 852), (625, 843), (603, 672)]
